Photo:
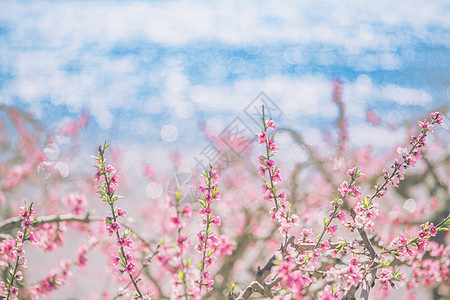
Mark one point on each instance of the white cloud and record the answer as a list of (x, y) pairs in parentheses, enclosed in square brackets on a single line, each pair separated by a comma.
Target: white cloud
[(363, 91), (350, 24), (406, 96), (46, 36)]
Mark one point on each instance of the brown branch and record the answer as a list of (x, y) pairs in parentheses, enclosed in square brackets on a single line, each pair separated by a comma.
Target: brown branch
[(12, 223), (369, 279), (15, 222)]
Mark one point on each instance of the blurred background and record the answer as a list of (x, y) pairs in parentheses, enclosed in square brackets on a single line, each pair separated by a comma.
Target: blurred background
[(137, 66)]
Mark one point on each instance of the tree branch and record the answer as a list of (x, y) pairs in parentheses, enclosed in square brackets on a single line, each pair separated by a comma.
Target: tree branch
[(15, 222)]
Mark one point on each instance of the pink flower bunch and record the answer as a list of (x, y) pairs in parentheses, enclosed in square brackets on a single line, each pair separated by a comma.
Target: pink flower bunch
[(107, 193), (366, 212), (76, 203), (52, 281), (207, 238), (82, 259), (291, 277), (409, 159), (427, 231), (431, 268), (51, 236), (173, 259), (330, 293), (280, 212), (348, 189), (15, 250)]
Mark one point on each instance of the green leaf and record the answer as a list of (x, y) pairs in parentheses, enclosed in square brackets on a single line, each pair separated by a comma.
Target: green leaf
[(181, 275), (336, 199), (178, 195), (443, 229), (233, 286)]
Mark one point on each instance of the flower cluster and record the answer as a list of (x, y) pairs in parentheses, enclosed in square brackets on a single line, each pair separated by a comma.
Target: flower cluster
[(55, 279), (207, 238), (409, 158), (280, 212), (431, 268), (403, 246), (366, 212), (173, 259), (107, 193), (16, 249), (51, 236), (333, 264), (76, 203)]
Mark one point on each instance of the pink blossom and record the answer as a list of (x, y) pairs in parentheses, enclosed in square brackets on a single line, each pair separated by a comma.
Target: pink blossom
[(202, 237), (272, 146), (343, 189), (121, 212), (82, 250), (261, 159), (271, 124), (209, 260), (351, 172), (19, 275), (223, 246), (113, 227), (262, 172), (262, 137), (306, 232), (175, 220), (436, 117), (110, 169), (332, 229), (26, 213), (276, 177), (206, 211), (76, 203), (124, 242), (214, 174), (270, 164), (115, 260), (114, 180), (187, 211), (97, 175), (130, 268), (427, 126), (216, 220), (295, 219)]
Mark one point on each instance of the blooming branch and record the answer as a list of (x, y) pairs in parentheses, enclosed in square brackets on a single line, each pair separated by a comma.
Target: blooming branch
[(206, 237), (7, 288), (107, 193)]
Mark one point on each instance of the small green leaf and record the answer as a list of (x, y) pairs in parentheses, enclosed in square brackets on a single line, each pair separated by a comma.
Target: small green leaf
[(181, 275), (202, 203), (178, 195)]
